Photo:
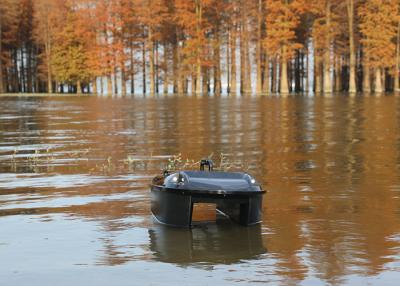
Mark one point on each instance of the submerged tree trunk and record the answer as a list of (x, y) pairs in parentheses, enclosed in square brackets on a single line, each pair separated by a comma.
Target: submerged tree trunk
[(199, 19), (217, 63), (48, 56), (175, 71), (273, 75), (266, 85), (78, 87), (206, 79), (317, 73), (327, 54), (242, 59), (284, 88), (1, 61), (337, 74), (259, 48), (378, 81), (193, 85), (306, 78), (350, 18), (366, 79), (157, 69), (109, 85), (123, 79), (397, 65), (94, 87), (151, 62), (178, 75), (247, 77), (233, 83), (144, 68), (132, 73), (166, 74), (115, 79), (228, 62)]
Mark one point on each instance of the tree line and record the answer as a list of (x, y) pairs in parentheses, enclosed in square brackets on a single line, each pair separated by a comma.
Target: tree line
[(199, 46)]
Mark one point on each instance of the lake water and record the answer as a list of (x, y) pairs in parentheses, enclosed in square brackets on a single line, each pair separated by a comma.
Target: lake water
[(75, 201)]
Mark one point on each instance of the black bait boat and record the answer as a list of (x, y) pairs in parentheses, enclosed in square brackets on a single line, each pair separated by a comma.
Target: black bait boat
[(236, 195)]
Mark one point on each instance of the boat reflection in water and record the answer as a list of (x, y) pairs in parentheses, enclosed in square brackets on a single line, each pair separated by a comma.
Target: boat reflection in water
[(213, 243)]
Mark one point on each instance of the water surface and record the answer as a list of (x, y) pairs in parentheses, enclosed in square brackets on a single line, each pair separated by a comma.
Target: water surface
[(74, 196)]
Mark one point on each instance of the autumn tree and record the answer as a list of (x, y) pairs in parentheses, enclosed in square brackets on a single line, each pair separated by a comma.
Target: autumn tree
[(69, 62), (325, 29), (281, 43), (196, 48), (206, 44), (151, 14), (350, 9), (8, 26), (378, 25), (47, 13)]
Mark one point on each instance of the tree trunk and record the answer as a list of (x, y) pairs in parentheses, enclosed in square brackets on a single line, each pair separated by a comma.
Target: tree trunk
[(22, 72), (206, 79), (266, 85), (123, 79), (29, 70), (337, 75), (259, 48), (166, 74), (284, 88), (94, 89), (144, 68), (1, 61), (132, 68), (248, 89), (115, 80), (233, 84), (350, 17), (48, 58), (297, 72), (378, 81), (366, 79), (15, 81), (109, 85), (317, 73), (157, 68), (273, 75), (199, 17), (151, 62), (228, 62), (193, 85), (306, 74), (179, 74), (327, 54), (175, 77), (217, 63), (242, 59), (78, 87), (397, 65)]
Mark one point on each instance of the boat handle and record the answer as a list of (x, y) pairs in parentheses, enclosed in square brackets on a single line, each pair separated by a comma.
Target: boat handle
[(206, 162)]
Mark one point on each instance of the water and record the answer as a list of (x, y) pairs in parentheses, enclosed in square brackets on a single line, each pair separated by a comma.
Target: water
[(74, 195)]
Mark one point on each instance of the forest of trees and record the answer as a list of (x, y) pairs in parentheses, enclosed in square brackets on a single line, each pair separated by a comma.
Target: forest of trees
[(199, 46)]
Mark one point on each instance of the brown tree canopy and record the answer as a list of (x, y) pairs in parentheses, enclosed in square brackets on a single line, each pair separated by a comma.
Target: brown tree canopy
[(199, 46)]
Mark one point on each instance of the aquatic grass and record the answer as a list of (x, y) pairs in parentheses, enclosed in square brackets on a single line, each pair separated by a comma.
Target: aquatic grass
[(223, 163), (39, 159)]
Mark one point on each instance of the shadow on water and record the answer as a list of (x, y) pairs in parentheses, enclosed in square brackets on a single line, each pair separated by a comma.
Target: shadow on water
[(206, 243)]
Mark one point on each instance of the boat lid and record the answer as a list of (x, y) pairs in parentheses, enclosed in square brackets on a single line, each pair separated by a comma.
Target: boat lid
[(213, 182)]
